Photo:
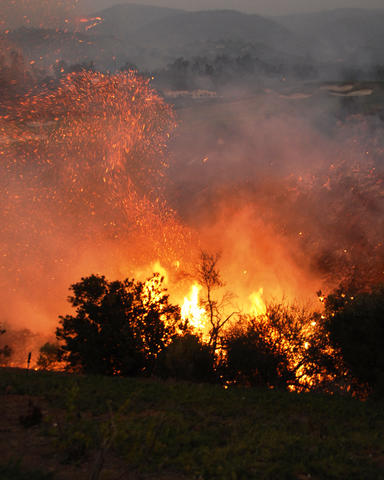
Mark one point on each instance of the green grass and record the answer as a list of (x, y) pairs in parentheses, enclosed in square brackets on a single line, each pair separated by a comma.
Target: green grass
[(14, 471), (207, 432)]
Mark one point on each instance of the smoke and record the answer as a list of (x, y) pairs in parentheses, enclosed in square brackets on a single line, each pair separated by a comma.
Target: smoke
[(291, 196), (292, 206)]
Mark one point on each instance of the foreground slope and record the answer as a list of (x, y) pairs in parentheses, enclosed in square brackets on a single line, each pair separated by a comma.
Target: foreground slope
[(183, 431)]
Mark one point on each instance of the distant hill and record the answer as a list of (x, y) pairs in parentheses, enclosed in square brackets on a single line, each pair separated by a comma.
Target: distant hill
[(153, 37), (190, 27), (160, 35), (123, 20)]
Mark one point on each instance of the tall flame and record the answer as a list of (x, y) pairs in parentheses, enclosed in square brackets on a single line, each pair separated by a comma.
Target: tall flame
[(258, 306), (191, 309)]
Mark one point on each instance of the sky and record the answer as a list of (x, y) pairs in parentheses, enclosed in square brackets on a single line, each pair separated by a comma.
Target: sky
[(263, 7)]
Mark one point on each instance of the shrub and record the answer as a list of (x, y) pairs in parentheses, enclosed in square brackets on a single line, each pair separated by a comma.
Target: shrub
[(49, 357), (286, 347), (187, 358), (355, 323), (120, 327), (254, 359)]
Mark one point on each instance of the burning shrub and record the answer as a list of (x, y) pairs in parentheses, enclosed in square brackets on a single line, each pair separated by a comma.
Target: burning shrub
[(49, 357), (187, 358), (356, 328), (253, 358), (120, 327), (285, 347)]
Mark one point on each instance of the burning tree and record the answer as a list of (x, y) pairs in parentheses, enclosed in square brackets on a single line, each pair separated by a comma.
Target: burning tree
[(209, 277), (286, 347), (120, 327)]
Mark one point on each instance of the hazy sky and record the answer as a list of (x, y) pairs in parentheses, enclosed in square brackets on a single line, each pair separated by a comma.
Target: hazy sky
[(266, 7)]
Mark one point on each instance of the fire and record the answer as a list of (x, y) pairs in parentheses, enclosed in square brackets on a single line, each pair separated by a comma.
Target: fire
[(191, 309), (151, 293), (83, 164), (258, 306), (90, 22), (158, 268)]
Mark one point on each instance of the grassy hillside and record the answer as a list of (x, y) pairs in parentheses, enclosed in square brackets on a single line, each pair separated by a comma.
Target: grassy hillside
[(168, 430)]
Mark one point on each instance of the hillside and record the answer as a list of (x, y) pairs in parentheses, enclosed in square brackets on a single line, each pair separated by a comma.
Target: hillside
[(221, 46), (152, 37), (67, 426), (123, 20), (189, 27)]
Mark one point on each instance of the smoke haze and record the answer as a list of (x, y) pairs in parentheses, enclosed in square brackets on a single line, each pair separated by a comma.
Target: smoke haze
[(262, 7)]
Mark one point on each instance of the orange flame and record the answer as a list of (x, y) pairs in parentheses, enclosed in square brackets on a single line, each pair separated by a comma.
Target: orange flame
[(258, 306), (191, 309)]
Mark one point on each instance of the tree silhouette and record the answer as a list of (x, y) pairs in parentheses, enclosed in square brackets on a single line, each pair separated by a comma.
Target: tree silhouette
[(355, 323), (209, 277), (49, 357), (187, 358), (120, 327), (5, 351), (254, 358)]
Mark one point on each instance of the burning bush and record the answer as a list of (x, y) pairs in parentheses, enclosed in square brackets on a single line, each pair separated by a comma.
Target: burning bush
[(187, 358), (49, 357), (255, 359), (286, 347), (120, 327)]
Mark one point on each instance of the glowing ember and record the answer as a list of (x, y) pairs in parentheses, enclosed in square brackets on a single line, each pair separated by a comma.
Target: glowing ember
[(152, 291), (83, 165)]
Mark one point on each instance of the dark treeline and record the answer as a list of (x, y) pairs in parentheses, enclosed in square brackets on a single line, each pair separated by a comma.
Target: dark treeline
[(224, 70)]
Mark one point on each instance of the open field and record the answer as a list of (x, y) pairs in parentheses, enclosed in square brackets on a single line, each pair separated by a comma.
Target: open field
[(124, 428)]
